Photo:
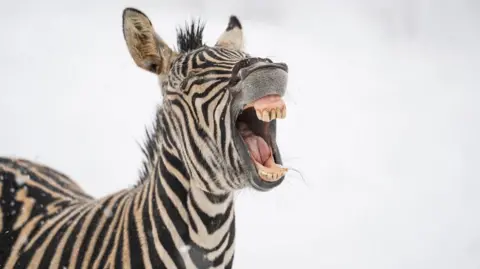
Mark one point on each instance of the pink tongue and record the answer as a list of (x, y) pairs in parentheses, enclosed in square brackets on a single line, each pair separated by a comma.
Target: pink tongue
[(259, 149)]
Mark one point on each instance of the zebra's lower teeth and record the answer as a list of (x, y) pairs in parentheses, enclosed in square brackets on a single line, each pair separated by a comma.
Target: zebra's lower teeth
[(272, 171)]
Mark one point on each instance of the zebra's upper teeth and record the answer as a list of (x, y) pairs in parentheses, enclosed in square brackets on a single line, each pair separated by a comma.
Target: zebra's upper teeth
[(269, 108), (272, 113)]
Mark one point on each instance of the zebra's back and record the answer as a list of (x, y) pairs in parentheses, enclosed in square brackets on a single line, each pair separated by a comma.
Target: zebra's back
[(47, 221), (37, 205)]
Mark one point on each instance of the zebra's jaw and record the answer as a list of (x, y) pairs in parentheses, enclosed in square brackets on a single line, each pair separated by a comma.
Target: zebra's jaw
[(258, 133), (267, 109)]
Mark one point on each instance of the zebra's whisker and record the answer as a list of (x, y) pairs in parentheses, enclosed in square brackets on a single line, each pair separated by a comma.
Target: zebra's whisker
[(297, 172)]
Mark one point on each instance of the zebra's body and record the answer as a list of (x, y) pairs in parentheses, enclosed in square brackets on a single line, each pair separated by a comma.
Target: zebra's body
[(150, 225), (181, 214)]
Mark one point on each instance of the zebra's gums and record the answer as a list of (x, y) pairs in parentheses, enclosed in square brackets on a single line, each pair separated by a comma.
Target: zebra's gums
[(214, 133)]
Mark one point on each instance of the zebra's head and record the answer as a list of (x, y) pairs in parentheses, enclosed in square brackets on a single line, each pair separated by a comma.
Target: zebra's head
[(221, 102)]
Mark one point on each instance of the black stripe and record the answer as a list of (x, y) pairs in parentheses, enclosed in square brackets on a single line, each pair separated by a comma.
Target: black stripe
[(200, 56), (39, 179), (231, 153), (34, 177), (164, 234), (134, 240), (220, 121), (207, 103), (223, 131), (7, 234), (217, 198), (216, 56), (154, 257), (212, 223), (172, 210), (227, 53), (194, 148), (214, 72), (55, 175), (219, 259), (28, 254), (111, 242), (180, 167), (53, 245), (119, 250), (88, 236), (231, 238), (200, 159), (208, 90), (102, 236), (185, 62), (230, 263)]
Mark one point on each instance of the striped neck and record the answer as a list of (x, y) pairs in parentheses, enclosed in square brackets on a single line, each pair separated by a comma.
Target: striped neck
[(202, 224)]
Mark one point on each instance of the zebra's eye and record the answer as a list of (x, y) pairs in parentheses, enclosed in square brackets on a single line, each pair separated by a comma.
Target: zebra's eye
[(234, 80)]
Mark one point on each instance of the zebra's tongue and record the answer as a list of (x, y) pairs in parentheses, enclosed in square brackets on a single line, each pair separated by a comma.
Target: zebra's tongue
[(257, 146), (259, 149)]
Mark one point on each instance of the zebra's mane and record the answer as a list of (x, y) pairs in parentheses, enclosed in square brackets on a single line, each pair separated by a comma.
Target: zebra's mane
[(150, 146), (191, 36)]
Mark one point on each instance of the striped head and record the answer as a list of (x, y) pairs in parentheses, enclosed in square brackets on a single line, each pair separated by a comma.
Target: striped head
[(221, 103)]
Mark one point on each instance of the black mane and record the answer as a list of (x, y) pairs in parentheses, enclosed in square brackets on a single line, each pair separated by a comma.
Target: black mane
[(190, 37), (150, 147)]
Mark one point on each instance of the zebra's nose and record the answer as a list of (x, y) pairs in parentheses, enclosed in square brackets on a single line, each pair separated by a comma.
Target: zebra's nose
[(247, 66), (257, 78), (245, 72)]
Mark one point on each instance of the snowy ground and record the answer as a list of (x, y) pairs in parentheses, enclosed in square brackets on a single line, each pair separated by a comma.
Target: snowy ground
[(383, 120)]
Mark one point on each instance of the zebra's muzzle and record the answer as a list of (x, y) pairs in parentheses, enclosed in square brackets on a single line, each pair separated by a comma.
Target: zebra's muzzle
[(257, 105), (256, 134)]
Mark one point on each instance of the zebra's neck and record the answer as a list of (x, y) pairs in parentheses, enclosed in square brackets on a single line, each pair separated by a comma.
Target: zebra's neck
[(202, 224), (211, 226)]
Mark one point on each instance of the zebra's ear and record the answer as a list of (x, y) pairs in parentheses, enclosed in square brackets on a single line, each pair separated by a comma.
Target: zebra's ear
[(146, 48), (232, 38)]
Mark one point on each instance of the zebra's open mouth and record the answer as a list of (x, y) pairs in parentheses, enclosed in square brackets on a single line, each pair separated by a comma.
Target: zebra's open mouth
[(256, 125)]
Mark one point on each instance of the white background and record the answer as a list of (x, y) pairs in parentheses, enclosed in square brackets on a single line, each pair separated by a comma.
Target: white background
[(383, 119)]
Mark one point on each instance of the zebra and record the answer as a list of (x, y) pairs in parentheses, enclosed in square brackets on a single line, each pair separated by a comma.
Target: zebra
[(213, 134)]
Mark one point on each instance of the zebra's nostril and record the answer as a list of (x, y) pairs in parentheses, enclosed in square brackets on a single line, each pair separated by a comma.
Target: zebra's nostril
[(237, 69), (284, 66)]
